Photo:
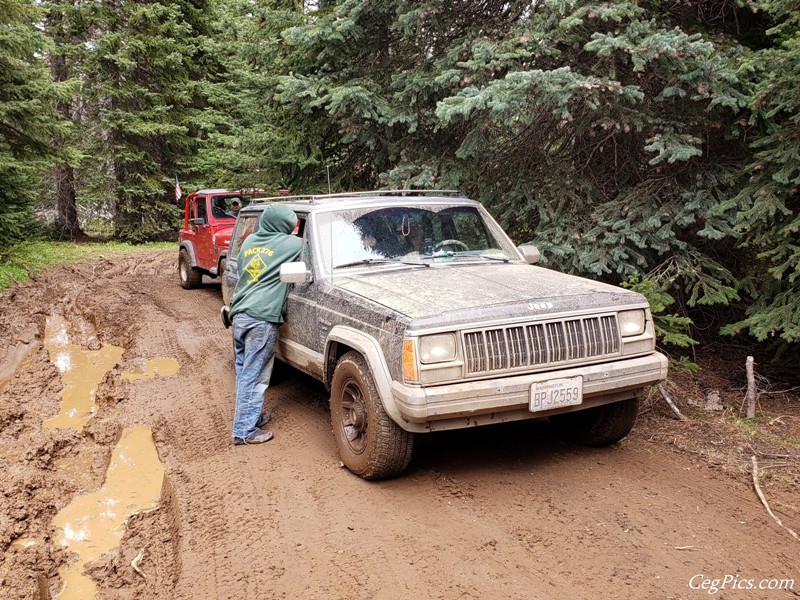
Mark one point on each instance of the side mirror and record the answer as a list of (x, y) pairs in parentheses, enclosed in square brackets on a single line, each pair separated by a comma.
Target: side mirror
[(294, 272), (530, 253), (198, 221)]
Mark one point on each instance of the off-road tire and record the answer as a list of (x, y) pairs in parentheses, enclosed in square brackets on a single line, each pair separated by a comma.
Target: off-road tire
[(600, 425), (376, 447), (191, 277)]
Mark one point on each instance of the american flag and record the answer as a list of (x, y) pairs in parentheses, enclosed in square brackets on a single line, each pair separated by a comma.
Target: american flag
[(178, 191)]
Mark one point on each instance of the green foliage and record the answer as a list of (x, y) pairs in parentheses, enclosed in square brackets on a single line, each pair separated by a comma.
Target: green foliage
[(27, 120), (606, 134), (252, 140), (671, 329), (768, 205), (144, 81), (621, 138)]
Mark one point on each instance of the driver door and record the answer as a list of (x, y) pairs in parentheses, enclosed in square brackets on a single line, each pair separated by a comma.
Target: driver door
[(299, 335)]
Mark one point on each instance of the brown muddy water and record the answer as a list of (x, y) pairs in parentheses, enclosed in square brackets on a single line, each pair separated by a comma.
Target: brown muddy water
[(93, 524), (155, 367), (81, 372)]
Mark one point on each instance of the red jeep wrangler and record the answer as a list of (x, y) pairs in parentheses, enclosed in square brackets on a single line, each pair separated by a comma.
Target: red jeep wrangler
[(208, 220)]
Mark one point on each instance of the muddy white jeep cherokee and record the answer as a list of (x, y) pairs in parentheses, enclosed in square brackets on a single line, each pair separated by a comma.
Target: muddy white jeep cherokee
[(419, 314)]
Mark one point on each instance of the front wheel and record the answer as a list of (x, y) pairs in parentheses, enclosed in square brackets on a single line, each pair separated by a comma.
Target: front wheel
[(600, 425), (191, 277), (370, 444)]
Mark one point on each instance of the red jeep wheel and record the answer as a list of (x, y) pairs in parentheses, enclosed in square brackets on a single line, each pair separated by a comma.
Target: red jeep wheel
[(190, 277)]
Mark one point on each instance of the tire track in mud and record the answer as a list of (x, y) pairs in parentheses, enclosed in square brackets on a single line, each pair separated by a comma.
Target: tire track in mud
[(503, 511), (293, 508), (509, 511)]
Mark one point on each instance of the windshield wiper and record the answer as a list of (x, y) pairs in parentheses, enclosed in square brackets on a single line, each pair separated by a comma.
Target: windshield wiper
[(378, 261), (365, 261), (504, 259), (456, 254)]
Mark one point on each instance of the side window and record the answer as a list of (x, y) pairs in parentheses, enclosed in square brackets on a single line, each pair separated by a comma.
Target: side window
[(245, 225), (300, 231), (201, 212)]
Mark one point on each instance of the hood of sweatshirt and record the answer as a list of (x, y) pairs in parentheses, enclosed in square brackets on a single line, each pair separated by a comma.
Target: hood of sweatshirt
[(276, 218)]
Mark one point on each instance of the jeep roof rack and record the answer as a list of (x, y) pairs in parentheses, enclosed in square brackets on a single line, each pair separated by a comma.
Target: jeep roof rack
[(207, 191), (312, 199)]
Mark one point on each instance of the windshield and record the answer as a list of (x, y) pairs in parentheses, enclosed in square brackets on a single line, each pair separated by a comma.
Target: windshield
[(417, 235)]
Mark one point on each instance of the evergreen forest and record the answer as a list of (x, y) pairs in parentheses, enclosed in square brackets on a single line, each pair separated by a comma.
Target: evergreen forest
[(649, 143)]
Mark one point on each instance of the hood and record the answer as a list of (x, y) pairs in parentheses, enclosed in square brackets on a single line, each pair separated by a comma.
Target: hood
[(476, 291), (276, 218), (222, 236)]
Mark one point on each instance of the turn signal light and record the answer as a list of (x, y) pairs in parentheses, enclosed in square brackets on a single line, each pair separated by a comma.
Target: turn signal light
[(410, 373)]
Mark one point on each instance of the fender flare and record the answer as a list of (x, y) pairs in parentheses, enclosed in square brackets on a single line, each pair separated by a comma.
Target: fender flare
[(372, 352), (189, 247), (222, 256)]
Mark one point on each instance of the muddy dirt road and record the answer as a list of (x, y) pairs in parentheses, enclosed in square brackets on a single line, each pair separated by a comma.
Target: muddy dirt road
[(500, 512)]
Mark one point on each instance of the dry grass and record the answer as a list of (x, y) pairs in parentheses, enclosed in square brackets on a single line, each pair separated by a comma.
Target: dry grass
[(722, 436)]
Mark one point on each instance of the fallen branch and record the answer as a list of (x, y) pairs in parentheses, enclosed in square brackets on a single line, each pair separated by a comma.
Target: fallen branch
[(764, 500), (135, 563), (672, 405), (769, 455)]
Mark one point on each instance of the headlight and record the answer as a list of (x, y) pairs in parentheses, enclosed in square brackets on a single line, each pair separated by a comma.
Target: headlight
[(631, 322), (437, 348)]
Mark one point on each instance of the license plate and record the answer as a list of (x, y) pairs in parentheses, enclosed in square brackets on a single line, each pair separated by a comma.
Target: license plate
[(555, 393)]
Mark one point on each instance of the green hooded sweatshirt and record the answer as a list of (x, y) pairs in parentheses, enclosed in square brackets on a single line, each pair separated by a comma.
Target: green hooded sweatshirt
[(259, 291)]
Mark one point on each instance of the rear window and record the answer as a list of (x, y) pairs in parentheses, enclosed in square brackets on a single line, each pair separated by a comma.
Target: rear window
[(245, 225)]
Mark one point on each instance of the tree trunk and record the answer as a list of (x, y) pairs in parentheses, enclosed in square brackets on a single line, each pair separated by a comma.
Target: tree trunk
[(67, 224), (750, 397)]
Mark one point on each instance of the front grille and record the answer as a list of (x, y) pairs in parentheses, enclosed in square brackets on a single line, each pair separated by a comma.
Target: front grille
[(519, 346)]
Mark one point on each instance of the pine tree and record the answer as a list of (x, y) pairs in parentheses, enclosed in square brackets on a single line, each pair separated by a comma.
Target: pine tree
[(768, 206), (605, 133), (27, 119), (68, 25), (248, 139), (145, 88)]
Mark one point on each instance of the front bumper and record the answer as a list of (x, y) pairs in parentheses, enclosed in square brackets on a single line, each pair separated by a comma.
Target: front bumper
[(506, 398)]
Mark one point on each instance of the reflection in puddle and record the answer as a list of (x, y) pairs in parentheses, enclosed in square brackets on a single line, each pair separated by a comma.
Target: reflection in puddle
[(94, 524), (156, 367), (81, 372)]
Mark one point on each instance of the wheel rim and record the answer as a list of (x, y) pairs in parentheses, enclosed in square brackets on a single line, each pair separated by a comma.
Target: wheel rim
[(184, 274), (354, 417)]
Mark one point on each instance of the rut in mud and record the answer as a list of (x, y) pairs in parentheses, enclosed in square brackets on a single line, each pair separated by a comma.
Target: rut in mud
[(504, 511)]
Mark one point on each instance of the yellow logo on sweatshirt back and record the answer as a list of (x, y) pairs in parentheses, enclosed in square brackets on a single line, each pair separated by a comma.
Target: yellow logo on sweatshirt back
[(255, 267)]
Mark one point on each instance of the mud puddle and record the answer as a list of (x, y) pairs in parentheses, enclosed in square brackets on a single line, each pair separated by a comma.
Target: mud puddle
[(25, 542), (81, 372), (94, 524), (155, 367)]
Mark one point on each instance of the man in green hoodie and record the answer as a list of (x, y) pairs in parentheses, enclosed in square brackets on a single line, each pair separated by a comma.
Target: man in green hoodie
[(256, 313)]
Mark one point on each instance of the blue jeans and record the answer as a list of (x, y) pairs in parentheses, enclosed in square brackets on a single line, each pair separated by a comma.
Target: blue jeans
[(254, 343)]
